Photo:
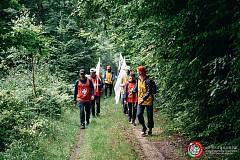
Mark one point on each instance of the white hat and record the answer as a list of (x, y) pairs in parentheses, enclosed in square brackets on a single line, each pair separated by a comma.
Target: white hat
[(92, 70), (126, 68)]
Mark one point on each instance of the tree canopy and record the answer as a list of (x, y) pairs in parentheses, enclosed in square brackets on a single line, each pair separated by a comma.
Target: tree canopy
[(189, 47)]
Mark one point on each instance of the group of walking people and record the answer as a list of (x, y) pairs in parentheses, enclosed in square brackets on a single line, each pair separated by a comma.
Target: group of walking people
[(88, 92), (136, 95)]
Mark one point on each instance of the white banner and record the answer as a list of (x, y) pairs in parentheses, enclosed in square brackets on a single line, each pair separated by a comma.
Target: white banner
[(117, 87)]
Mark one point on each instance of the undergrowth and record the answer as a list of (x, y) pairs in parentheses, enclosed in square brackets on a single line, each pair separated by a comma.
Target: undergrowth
[(39, 127)]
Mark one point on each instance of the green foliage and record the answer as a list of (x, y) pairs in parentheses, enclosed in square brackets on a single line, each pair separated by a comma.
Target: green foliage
[(24, 117), (191, 48)]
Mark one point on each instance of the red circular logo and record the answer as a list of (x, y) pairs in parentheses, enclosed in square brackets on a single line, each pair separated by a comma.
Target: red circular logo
[(195, 149)]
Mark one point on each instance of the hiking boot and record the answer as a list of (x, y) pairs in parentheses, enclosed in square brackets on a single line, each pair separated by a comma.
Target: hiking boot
[(133, 123), (105, 97), (97, 114), (144, 130), (87, 123), (149, 131), (129, 119), (82, 126)]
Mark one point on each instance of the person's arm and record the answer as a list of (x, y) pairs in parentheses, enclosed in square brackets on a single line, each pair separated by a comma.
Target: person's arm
[(125, 95), (91, 87), (104, 77), (121, 85), (135, 90), (113, 76), (76, 90), (100, 82)]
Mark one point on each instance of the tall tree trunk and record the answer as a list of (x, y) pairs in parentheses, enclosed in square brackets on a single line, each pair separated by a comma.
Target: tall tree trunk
[(34, 88)]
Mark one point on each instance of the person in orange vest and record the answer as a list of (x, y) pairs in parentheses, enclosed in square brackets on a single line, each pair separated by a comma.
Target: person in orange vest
[(145, 99), (132, 100), (97, 83), (109, 77), (84, 93)]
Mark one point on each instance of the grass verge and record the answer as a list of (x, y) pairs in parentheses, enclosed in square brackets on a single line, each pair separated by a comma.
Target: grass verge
[(59, 142), (54, 143)]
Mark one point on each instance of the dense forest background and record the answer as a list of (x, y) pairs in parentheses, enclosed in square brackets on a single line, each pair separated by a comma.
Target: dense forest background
[(189, 47)]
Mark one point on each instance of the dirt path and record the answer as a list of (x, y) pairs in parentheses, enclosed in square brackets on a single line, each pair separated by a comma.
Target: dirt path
[(145, 149), (75, 151), (149, 150), (158, 150)]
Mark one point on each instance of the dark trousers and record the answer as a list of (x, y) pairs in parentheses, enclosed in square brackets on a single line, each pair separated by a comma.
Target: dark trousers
[(132, 110), (97, 100), (149, 115), (125, 107), (110, 86), (82, 112)]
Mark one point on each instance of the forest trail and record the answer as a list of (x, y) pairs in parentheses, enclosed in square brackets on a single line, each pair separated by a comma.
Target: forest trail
[(142, 147), (75, 152), (149, 150)]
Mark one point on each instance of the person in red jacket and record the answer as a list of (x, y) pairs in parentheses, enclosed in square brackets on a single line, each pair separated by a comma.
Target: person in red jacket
[(84, 92), (131, 100), (97, 83)]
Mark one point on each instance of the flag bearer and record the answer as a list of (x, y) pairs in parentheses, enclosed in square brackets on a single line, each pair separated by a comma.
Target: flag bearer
[(84, 92), (109, 77), (132, 100), (145, 99), (124, 79), (97, 83)]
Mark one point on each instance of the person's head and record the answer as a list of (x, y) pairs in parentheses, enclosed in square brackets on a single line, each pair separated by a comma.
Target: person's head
[(127, 69), (132, 76), (141, 71), (82, 73), (121, 62), (93, 72), (128, 72), (109, 68)]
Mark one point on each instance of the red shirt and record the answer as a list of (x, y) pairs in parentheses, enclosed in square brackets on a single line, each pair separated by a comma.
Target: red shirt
[(95, 82), (84, 92), (130, 87)]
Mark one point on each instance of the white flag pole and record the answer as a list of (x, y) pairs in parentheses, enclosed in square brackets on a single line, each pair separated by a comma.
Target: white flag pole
[(97, 72)]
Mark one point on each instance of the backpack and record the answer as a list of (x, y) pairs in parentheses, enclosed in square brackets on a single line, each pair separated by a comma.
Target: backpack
[(154, 87)]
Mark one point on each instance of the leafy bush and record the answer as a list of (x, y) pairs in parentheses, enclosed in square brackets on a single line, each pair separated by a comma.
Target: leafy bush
[(25, 117), (191, 49)]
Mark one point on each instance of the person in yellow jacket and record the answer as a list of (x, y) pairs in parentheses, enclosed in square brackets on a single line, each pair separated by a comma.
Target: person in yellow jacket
[(145, 99), (124, 79), (109, 77)]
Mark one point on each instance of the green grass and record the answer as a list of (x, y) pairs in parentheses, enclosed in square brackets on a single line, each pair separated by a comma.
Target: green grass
[(109, 136), (61, 136), (55, 142)]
